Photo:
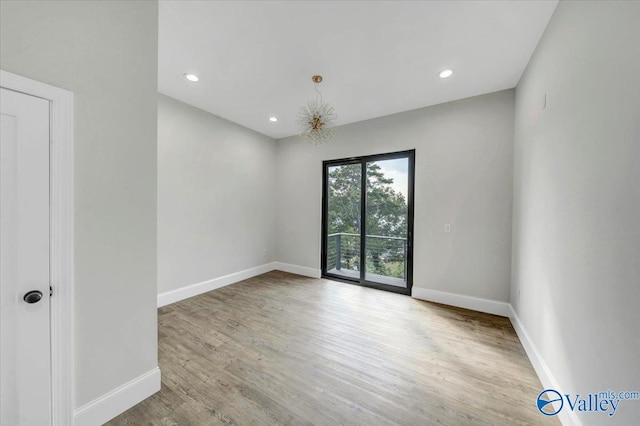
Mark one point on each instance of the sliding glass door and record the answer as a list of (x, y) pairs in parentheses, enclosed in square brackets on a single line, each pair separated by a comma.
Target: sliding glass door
[(368, 220)]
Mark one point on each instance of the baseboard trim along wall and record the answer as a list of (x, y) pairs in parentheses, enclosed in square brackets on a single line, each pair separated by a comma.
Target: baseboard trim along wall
[(567, 417), (467, 302), (295, 269), (192, 290), (109, 405), (195, 289)]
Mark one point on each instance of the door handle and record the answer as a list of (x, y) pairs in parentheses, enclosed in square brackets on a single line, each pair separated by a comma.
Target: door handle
[(33, 296)]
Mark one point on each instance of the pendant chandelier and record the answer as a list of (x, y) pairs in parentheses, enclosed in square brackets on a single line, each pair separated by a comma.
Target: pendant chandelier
[(315, 117)]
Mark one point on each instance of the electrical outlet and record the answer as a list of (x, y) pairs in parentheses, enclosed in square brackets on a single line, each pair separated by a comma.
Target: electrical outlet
[(447, 227)]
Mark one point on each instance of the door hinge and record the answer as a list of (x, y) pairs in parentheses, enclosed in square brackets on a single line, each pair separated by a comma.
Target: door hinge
[(50, 291)]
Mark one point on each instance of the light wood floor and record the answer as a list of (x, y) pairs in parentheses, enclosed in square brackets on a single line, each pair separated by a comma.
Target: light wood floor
[(280, 349)]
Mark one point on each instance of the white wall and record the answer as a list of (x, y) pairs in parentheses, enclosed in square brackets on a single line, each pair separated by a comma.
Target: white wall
[(463, 177), (576, 217), (216, 196), (105, 52)]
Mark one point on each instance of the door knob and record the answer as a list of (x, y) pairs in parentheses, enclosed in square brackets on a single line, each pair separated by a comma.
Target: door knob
[(33, 296)]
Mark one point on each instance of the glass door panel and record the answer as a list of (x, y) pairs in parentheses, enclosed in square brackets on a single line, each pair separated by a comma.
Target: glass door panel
[(344, 216), (367, 220), (387, 218)]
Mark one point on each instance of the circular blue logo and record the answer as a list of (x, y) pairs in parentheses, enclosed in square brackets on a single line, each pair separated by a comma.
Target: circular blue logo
[(546, 400)]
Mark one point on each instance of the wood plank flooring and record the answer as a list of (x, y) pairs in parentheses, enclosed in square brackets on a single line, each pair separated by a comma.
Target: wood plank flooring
[(281, 349)]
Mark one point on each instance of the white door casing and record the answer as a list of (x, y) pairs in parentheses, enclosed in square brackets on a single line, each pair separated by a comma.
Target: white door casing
[(61, 240), (25, 360)]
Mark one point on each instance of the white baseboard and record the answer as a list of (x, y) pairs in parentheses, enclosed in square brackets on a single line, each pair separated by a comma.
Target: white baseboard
[(192, 290), (467, 302), (295, 269), (109, 405), (205, 286), (567, 417)]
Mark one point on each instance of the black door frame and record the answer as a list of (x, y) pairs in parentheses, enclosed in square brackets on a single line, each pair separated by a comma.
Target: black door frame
[(410, 155)]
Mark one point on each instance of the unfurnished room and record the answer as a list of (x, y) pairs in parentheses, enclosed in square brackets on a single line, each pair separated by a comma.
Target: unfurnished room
[(254, 213)]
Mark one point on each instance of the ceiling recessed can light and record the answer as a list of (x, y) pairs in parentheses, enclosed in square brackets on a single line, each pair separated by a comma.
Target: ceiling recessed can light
[(273, 119), (446, 73), (191, 77)]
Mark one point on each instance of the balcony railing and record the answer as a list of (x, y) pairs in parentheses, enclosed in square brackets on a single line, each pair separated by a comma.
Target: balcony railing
[(385, 256)]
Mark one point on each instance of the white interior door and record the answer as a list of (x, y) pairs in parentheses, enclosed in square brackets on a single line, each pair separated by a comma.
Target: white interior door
[(25, 364)]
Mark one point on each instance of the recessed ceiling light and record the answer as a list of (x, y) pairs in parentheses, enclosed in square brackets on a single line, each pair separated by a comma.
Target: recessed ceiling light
[(446, 73), (191, 77), (273, 119)]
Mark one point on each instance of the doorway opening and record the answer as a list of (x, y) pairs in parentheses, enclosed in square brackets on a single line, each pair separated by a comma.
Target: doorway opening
[(367, 220)]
